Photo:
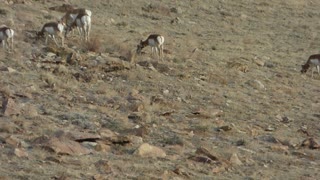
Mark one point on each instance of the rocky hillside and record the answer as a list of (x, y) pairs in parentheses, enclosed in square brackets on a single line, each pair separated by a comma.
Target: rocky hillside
[(228, 100)]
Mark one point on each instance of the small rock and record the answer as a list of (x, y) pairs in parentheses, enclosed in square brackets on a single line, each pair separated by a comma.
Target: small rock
[(256, 84), (240, 142), (103, 166), (259, 62), (9, 69), (50, 54), (147, 150), (279, 147), (165, 92), (204, 151), (234, 160), (9, 107), (269, 128), (66, 146), (20, 152), (224, 128), (13, 141), (176, 10), (102, 147), (310, 143), (107, 134)]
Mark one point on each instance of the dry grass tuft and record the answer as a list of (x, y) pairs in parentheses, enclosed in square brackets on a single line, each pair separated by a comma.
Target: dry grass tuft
[(94, 45), (157, 8)]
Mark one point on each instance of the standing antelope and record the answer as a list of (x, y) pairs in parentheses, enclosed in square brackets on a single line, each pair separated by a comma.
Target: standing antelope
[(83, 23), (313, 61), (6, 34), (52, 29), (71, 15), (155, 41)]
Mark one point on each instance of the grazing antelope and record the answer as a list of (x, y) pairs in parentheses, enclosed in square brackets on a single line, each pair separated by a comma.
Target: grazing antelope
[(71, 14), (313, 61), (52, 29), (70, 20), (6, 34), (83, 23), (155, 41)]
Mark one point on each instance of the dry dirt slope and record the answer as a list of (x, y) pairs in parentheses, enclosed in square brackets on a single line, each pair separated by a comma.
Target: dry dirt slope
[(235, 108)]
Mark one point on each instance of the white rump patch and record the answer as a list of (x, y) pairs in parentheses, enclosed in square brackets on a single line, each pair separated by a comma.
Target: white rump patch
[(50, 30), (315, 62)]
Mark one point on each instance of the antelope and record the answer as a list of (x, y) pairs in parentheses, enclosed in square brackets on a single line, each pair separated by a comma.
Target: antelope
[(313, 61), (52, 29), (70, 20), (83, 23), (6, 34), (155, 41), (71, 14)]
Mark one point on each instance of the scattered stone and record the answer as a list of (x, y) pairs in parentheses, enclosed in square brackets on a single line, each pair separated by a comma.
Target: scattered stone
[(181, 171), (135, 117), (13, 141), (283, 119), (204, 151), (9, 69), (121, 140), (20, 152), (224, 128), (147, 150), (311, 143), (66, 146), (176, 21), (136, 140), (136, 107), (220, 169), (240, 142), (238, 66), (256, 84), (102, 147), (269, 138), (165, 92), (7, 126), (107, 134), (9, 107), (140, 131), (279, 147), (269, 64), (234, 160), (176, 10), (103, 167), (51, 55), (269, 128), (83, 136), (29, 110), (259, 62), (201, 159)]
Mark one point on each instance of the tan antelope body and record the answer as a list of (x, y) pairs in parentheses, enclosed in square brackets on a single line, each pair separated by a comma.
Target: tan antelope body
[(83, 23), (313, 61), (6, 35), (155, 41), (52, 29), (70, 19)]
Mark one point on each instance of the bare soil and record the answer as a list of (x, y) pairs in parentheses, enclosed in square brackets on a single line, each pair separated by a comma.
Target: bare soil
[(227, 102)]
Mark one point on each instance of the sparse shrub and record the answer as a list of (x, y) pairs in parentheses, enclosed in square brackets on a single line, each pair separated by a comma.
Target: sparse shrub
[(157, 8), (94, 44), (173, 140)]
